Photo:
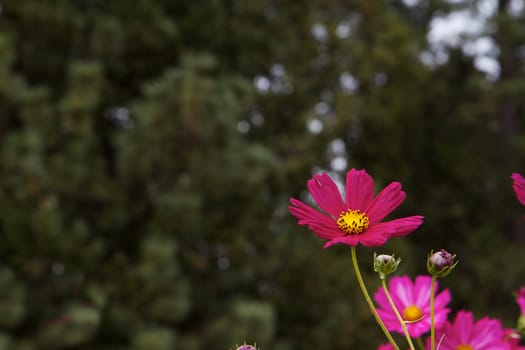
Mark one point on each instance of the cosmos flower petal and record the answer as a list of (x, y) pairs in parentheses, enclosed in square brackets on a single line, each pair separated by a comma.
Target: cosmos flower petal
[(307, 214), (374, 236), (442, 299), (326, 194), (381, 299), (422, 289), (359, 189), (486, 330), (519, 187), (351, 240), (322, 225), (387, 346), (402, 287), (398, 227), (464, 323), (385, 202)]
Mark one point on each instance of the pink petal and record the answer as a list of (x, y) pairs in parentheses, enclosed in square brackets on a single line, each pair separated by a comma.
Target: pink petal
[(519, 187), (442, 299), (373, 237), (381, 299), (487, 331), (322, 225), (395, 228), (422, 291), (326, 194), (463, 325), (385, 202), (351, 240), (359, 189), (401, 290), (307, 214)]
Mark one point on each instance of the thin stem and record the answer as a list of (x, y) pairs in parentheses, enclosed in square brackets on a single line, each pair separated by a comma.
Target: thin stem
[(398, 315), (432, 325), (369, 300), (420, 343)]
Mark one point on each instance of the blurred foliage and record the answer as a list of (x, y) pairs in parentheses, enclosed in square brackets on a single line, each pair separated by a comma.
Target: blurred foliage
[(148, 150)]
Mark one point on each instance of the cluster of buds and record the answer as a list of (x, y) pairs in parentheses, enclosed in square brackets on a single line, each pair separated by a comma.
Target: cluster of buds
[(439, 264)]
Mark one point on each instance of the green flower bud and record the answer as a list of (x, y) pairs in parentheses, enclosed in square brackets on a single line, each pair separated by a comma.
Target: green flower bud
[(521, 324), (439, 264), (385, 264)]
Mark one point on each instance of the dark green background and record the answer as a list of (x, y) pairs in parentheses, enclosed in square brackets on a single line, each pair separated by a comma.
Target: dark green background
[(144, 180)]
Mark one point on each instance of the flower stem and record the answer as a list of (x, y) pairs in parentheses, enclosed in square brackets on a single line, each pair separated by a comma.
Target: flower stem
[(369, 300), (398, 315), (432, 323), (420, 343)]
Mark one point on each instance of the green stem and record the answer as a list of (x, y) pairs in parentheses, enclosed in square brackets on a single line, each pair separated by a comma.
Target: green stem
[(420, 343), (369, 300), (432, 325), (398, 315)]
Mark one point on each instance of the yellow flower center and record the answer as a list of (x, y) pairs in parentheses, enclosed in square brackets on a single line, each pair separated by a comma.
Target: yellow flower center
[(352, 222), (464, 347), (412, 313)]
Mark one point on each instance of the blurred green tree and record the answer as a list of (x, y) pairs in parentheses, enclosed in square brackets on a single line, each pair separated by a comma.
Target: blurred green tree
[(148, 150)]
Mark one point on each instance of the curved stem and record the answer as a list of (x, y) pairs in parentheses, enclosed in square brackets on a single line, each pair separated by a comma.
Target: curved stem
[(432, 325), (369, 300), (398, 315)]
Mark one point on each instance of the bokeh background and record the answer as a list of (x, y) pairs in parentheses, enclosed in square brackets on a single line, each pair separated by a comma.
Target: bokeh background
[(149, 148)]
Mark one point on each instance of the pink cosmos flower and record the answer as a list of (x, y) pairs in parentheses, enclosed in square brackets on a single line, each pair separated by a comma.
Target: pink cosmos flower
[(520, 299), (356, 219), (412, 300), (518, 183), (465, 334)]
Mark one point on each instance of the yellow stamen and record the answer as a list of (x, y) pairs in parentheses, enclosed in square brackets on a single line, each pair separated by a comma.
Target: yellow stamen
[(412, 313), (464, 347), (352, 222)]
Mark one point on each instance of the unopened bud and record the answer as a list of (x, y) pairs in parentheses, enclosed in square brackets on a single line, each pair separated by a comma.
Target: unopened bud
[(439, 264), (385, 264), (246, 347), (521, 324)]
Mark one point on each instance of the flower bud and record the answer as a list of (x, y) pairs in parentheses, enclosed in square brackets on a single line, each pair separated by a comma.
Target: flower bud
[(521, 324), (246, 347), (439, 264), (385, 264)]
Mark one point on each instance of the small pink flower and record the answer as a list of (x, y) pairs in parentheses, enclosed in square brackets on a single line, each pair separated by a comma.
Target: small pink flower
[(518, 183), (356, 219), (520, 299), (465, 334), (412, 300)]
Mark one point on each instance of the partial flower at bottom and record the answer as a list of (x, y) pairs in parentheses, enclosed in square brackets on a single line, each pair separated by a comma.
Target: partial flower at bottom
[(412, 300), (357, 219), (466, 334)]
